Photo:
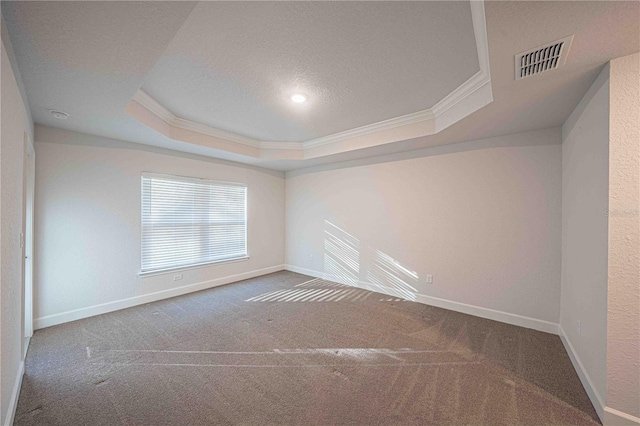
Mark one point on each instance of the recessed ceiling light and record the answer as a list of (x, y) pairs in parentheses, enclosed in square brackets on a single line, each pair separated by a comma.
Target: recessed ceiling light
[(59, 114), (298, 98)]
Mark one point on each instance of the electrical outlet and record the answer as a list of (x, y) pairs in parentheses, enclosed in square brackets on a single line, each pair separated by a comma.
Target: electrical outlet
[(429, 279), (310, 258), (177, 277), (579, 327)]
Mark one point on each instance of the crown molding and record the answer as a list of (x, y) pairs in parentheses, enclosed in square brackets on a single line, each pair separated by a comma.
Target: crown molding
[(472, 95), (280, 145), (167, 116), (482, 77), (465, 90), (216, 133), (154, 106), (368, 129)]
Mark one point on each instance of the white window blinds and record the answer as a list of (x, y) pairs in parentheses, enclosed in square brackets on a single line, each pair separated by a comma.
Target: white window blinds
[(190, 221)]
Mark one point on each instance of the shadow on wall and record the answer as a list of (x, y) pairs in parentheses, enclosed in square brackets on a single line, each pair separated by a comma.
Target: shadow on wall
[(347, 262)]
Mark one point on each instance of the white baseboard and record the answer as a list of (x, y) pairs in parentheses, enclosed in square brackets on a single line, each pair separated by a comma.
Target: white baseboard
[(76, 314), (304, 271), (594, 396), (492, 314), (618, 418), (609, 416), (478, 311), (13, 402)]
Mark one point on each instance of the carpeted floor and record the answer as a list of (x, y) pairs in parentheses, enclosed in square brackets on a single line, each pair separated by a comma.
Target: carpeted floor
[(286, 349)]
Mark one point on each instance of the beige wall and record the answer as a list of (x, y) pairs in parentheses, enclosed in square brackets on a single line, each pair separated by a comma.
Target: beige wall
[(88, 224), (623, 303), (482, 218), (585, 198), (14, 126)]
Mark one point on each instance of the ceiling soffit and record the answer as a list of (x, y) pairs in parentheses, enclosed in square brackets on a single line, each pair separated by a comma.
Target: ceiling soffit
[(469, 97)]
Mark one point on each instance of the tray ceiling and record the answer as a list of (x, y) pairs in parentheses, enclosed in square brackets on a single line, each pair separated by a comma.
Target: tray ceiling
[(214, 78), (373, 73), (234, 65)]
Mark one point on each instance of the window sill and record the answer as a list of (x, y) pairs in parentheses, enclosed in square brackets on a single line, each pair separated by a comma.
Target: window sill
[(184, 268)]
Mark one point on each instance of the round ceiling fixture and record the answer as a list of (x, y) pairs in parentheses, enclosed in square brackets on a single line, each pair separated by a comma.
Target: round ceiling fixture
[(59, 114), (298, 98)]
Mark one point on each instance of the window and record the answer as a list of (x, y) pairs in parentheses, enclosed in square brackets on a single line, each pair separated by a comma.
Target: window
[(190, 221)]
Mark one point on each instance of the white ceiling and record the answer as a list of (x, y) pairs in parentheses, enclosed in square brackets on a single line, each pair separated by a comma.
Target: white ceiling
[(234, 65), (90, 58)]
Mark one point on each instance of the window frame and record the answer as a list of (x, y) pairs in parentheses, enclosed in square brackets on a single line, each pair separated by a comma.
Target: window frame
[(180, 178)]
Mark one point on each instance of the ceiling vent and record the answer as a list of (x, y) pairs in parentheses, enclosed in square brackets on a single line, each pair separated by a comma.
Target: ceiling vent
[(543, 58)]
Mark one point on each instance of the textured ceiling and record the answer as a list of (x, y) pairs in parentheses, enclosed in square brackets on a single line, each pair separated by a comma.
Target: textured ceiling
[(603, 30), (90, 58), (234, 65)]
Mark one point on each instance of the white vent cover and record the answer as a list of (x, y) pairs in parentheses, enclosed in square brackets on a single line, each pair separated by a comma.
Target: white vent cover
[(543, 58)]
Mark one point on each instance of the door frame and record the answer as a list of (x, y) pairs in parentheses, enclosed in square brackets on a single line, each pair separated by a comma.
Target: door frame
[(28, 203)]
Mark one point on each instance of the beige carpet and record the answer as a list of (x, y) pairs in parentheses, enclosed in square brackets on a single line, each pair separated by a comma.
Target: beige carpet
[(287, 349)]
